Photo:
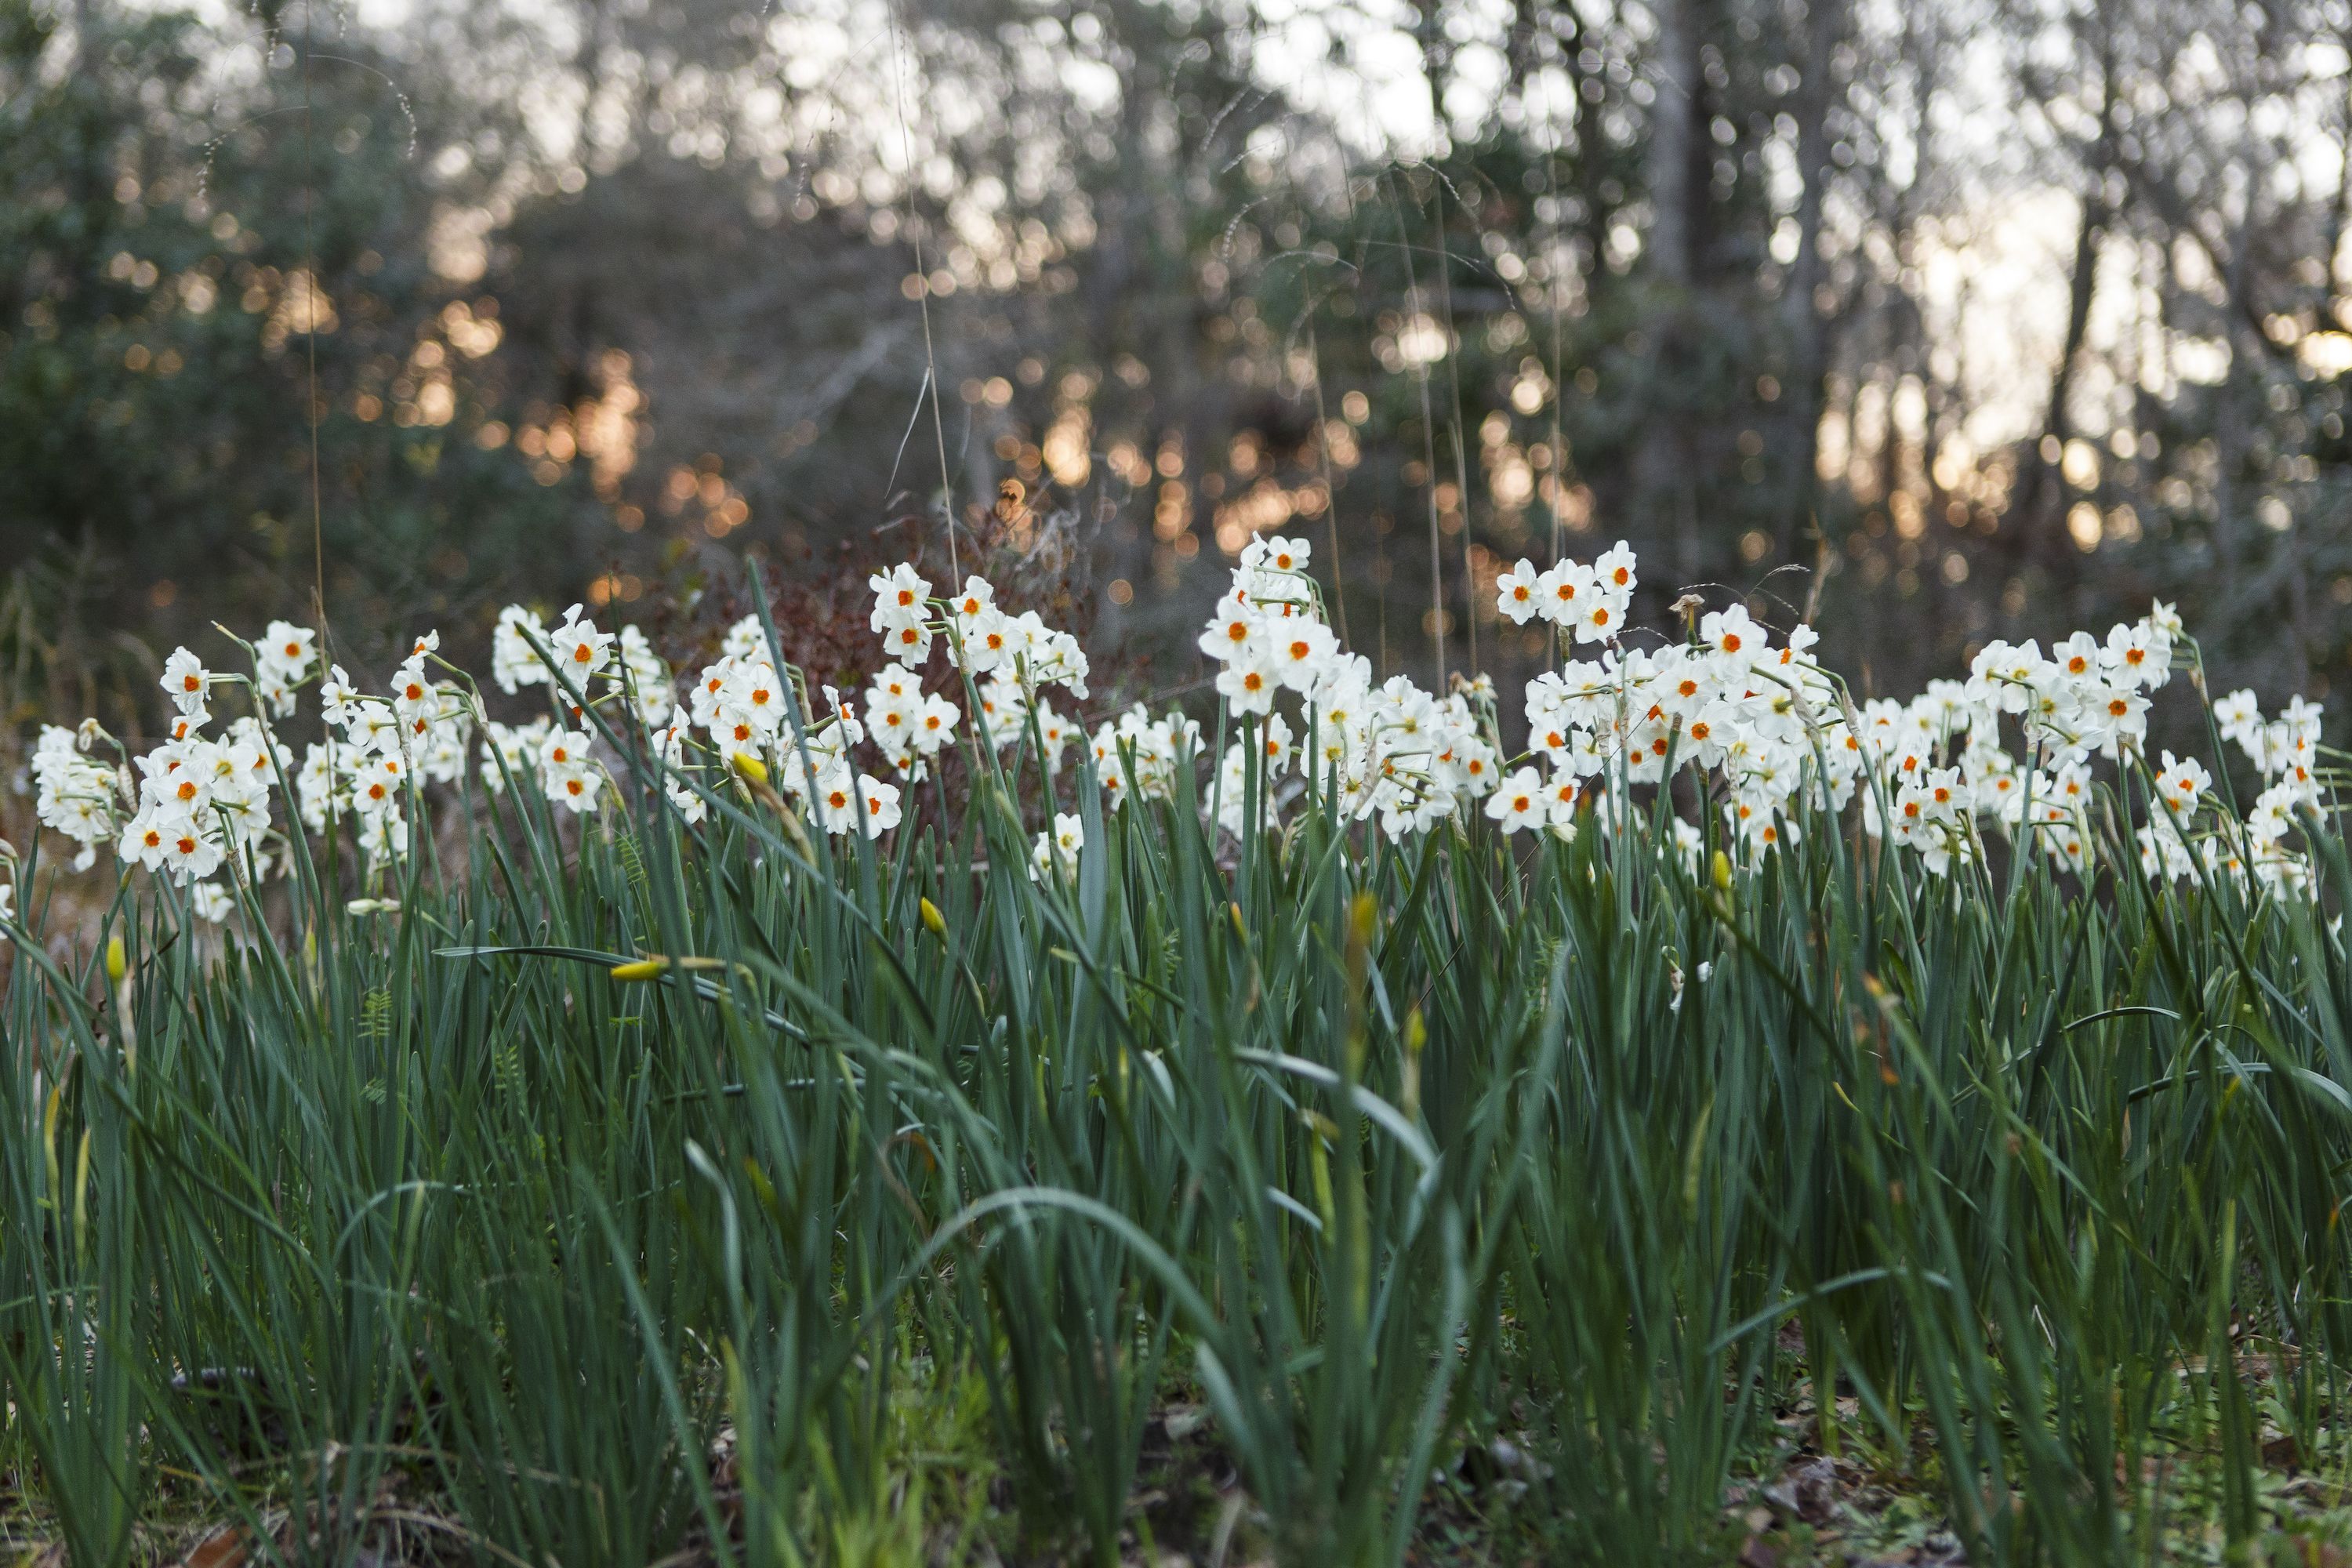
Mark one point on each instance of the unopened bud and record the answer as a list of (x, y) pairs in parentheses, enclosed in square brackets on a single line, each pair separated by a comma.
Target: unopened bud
[(118, 959), (933, 921), (641, 969), (751, 767), (1722, 871)]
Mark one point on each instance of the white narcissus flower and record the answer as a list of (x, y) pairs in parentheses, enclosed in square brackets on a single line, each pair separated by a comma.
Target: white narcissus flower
[(753, 696), (579, 649), (1274, 746), (515, 663), (576, 790), (984, 641), (189, 853), (901, 596), (1732, 635), (1564, 593), (1515, 592), (1004, 710), (143, 834), (1561, 793), (976, 599), (1303, 652), (1060, 844), (985, 636), (909, 643), (412, 693), (678, 771), (337, 697), (890, 709), (185, 679), (1250, 681), (932, 724), (881, 805), (901, 617), (2177, 787), (835, 800), (384, 836), (1520, 802), (379, 780), (1600, 622), (2079, 658), (567, 773), (2162, 853), (1056, 733), (1285, 555), (747, 638), (1233, 627), (640, 670), (283, 659)]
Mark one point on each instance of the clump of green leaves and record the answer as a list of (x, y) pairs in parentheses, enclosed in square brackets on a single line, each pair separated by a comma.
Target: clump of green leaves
[(647, 1189)]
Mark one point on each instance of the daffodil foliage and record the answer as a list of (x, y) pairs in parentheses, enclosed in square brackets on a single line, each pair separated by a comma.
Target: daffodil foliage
[(692, 1121)]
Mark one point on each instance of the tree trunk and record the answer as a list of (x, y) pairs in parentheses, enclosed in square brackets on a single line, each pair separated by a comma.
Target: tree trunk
[(1665, 463), (2045, 501), (1806, 327)]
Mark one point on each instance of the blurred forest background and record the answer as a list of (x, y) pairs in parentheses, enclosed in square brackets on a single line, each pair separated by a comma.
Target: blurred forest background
[(1988, 318)]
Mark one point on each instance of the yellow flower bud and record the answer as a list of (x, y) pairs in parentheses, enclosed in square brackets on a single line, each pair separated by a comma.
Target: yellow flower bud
[(933, 921), (118, 961), (1722, 871), (751, 767), (643, 969)]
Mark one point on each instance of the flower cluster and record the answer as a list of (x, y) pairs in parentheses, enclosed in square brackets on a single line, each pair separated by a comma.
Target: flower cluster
[(1139, 757), (75, 793), (1769, 734), (1588, 603), (1056, 851), (625, 661), (1009, 660), (198, 806), (198, 801), (282, 661), (1769, 738), (1390, 750), (747, 709)]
